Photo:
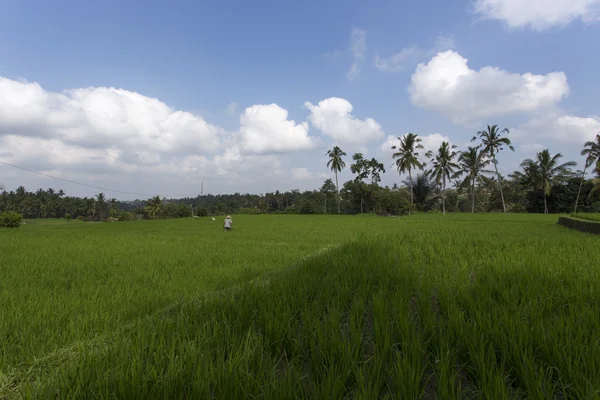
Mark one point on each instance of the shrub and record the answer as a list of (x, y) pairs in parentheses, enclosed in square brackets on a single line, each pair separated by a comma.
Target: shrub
[(68, 217), (80, 217), (126, 216), (10, 219)]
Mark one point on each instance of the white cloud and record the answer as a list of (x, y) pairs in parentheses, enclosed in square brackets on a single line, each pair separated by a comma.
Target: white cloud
[(102, 117), (412, 54), (448, 86), (265, 128), (126, 141), (531, 147), (431, 142), (538, 14), (303, 174), (358, 46), (333, 117), (561, 129)]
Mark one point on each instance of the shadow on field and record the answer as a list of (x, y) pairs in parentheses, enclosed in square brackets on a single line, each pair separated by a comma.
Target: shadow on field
[(356, 321)]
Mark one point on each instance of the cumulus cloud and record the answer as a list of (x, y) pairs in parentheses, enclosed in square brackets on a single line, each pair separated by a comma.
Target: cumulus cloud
[(133, 141), (303, 174), (538, 14), (101, 117), (334, 118), (448, 86), (358, 46), (562, 129), (266, 128)]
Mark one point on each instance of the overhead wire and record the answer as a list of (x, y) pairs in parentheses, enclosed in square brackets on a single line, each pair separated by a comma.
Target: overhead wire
[(94, 186)]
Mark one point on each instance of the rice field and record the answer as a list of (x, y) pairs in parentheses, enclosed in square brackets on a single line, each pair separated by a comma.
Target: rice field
[(428, 306), (588, 216)]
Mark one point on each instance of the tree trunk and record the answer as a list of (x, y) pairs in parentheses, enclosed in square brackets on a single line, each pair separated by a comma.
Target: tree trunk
[(473, 197), (361, 205), (412, 203), (444, 197), (579, 192), (338, 192), (545, 204), (325, 204), (500, 185)]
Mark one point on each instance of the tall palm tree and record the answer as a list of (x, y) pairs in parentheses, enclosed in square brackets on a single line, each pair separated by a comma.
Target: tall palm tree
[(443, 168), (596, 181), (407, 158), (336, 164), (543, 172), (591, 150), (101, 201), (492, 143), (113, 206), (154, 205), (473, 163)]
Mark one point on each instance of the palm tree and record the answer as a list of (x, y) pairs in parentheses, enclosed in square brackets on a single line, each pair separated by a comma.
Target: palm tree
[(591, 149), (113, 207), (473, 163), (596, 181), (154, 205), (543, 172), (336, 164), (443, 167), (407, 158), (492, 143), (101, 200)]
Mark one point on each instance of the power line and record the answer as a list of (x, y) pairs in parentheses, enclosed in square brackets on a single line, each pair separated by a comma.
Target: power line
[(84, 184)]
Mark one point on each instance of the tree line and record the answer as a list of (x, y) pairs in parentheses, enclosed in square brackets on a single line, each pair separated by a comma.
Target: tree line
[(445, 180)]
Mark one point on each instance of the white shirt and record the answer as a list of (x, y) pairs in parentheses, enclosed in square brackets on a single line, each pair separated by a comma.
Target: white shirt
[(228, 222)]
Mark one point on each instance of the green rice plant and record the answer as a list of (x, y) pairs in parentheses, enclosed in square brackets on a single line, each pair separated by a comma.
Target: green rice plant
[(427, 306)]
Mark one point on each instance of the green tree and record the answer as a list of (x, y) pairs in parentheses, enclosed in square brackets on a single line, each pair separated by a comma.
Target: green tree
[(596, 180), (544, 172), (101, 204), (492, 143), (472, 163), (113, 208), (336, 164), (407, 158), (591, 150), (153, 206), (443, 168), (326, 190)]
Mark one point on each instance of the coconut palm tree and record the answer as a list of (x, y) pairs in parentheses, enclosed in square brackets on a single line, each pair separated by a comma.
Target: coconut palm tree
[(407, 158), (113, 207), (492, 143), (596, 181), (591, 150), (543, 172), (101, 201), (336, 164), (473, 163), (154, 205), (443, 168)]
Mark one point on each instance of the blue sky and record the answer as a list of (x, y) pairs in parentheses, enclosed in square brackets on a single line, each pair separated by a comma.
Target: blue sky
[(237, 67)]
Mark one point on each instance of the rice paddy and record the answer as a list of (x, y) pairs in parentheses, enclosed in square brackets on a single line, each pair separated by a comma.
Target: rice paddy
[(427, 306)]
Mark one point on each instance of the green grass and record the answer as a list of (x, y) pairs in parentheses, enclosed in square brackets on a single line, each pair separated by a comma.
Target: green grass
[(483, 306), (587, 216)]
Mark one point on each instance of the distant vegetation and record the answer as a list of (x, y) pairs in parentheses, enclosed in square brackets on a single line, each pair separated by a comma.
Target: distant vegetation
[(448, 181)]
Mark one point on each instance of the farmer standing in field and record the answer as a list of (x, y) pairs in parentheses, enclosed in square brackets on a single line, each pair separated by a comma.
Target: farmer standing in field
[(227, 225)]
